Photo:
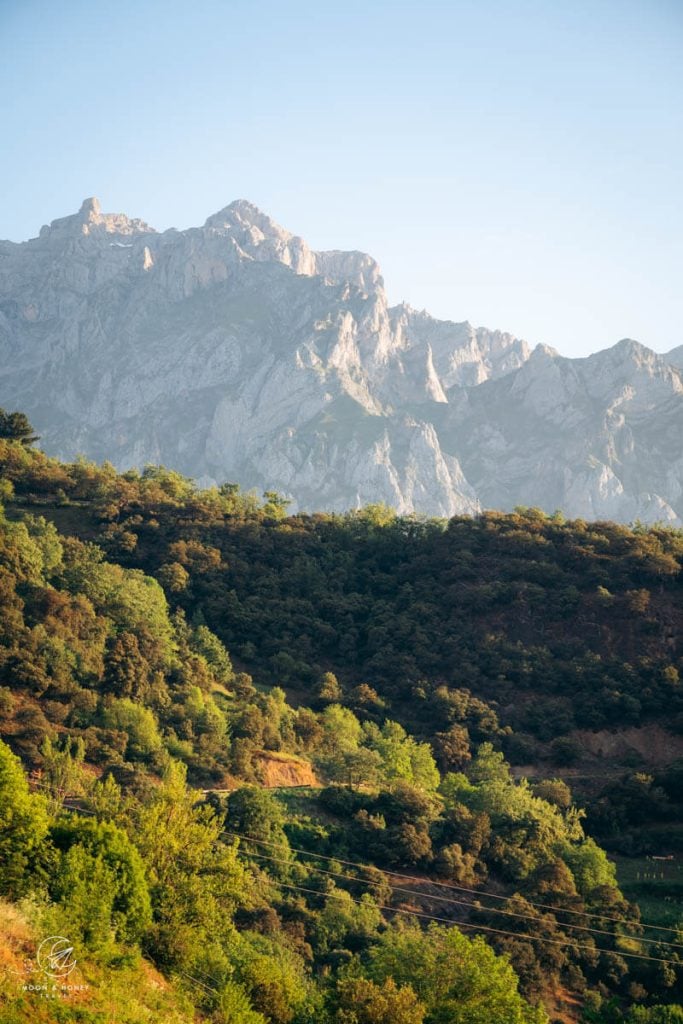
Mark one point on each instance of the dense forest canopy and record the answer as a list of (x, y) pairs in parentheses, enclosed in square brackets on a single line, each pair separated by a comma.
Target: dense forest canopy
[(277, 748)]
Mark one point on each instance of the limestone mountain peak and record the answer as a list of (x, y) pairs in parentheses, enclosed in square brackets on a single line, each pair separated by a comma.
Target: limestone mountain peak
[(235, 351), (244, 213), (89, 219), (90, 208)]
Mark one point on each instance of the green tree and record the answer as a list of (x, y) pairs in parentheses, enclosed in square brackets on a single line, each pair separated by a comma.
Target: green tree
[(196, 881), (655, 1015), (135, 602), (127, 670), (63, 772), (361, 1001), (143, 742), (274, 978), (100, 881), (173, 577), (402, 757), (234, 1006), (23, 826), (15, 426), (452, 748), (209, 646), (342, 919), (555, 791), (590, 867), (488, 765), (341, 730), (328, 689), (275, 505), (459, 980), (258, 818)]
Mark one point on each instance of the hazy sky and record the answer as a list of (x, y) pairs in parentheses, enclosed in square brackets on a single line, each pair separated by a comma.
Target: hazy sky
[(517, 164)]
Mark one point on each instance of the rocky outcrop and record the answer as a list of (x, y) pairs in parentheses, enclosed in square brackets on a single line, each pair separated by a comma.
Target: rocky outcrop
[(234, 351), (600, 437), (278, 772), (675, 357)]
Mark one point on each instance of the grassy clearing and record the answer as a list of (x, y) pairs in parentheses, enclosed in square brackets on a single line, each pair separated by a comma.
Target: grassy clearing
[(655, 885)]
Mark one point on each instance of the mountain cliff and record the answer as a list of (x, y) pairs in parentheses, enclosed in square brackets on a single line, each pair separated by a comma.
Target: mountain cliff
[(234, 351)]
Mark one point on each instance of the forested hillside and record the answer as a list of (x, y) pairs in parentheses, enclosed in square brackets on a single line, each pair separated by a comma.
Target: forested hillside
[(264, 760)]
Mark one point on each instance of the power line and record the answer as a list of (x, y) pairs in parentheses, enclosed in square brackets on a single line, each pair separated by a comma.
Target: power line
[(483, 928), (208, 977), (198, 982), (446, 920), (447, 885), (510, 913), (470, 904), (460, 888)]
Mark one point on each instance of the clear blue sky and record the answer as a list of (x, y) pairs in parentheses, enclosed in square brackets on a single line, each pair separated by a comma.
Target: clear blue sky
[(517, 164)]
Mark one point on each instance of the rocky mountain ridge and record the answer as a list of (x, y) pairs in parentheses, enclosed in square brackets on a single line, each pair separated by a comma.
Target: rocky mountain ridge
[(235, 352)]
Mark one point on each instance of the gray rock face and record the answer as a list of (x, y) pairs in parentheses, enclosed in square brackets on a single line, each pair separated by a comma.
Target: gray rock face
[(235, 352)]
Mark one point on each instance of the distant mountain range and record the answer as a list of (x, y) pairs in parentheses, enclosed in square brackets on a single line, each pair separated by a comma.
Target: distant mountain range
[(235, 352)]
